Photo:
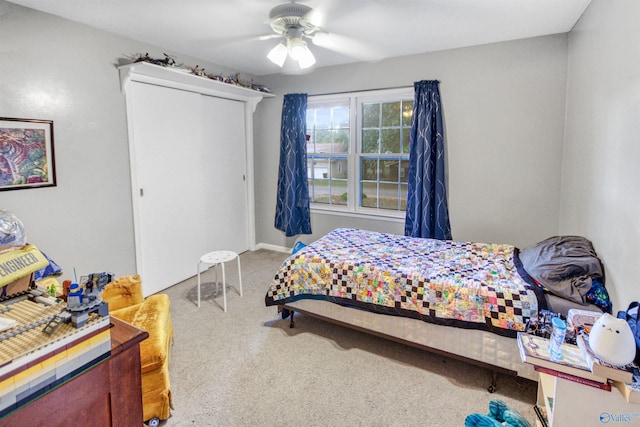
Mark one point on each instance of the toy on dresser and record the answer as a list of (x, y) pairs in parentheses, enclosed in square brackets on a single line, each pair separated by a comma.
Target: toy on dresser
[(84, 298), (542, 326), (607, 344), (611, 340)]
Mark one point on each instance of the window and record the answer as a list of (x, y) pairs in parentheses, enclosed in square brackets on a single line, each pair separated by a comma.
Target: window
[(328, 147), (358, 151)]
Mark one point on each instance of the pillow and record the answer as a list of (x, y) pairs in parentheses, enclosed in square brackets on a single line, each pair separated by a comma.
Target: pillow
[(564, 265)]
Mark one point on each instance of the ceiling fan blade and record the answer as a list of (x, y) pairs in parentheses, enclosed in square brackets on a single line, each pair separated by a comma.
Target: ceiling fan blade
[(348, 46), (236, 40), (269, 36), (315, 17)]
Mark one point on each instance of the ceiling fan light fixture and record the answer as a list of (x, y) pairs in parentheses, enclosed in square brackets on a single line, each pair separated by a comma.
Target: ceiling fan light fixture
[(304, 57), (296, 48), (278, 54), (291, 21), (299, 52)]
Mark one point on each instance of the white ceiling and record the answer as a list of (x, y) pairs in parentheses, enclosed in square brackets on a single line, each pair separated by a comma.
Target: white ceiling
[(227, 32)]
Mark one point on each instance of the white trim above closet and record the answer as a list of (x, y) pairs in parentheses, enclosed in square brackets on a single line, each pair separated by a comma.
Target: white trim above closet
[(179, 78)]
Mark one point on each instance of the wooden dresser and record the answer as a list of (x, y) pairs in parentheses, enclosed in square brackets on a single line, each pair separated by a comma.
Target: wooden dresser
[(108, 394)]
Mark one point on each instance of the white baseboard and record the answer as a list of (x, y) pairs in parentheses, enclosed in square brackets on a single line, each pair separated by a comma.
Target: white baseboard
[(273, 248)]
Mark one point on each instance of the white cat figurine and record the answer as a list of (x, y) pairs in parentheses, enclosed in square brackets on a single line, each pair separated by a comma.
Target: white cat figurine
[(612, 341)]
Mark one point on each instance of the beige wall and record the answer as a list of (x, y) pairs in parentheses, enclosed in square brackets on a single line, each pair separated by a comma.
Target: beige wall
[(601, 177), (504, 115)]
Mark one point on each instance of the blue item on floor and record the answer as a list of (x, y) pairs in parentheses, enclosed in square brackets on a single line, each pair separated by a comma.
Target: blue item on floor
[(297, 247), (500, 414)]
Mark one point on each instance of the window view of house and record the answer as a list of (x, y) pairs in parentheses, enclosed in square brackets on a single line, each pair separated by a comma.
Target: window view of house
[(370, 173), (384, 154), (328, 137)]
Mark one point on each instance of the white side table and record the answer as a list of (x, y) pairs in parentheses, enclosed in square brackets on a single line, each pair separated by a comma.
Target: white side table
[(218, 258)]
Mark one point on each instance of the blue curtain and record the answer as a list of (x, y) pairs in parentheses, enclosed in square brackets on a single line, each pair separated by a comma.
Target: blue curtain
[(427, 212), (293, 215)]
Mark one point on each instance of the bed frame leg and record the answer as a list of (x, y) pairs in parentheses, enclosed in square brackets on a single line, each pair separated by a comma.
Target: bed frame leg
[(291, 322), (494, 379)]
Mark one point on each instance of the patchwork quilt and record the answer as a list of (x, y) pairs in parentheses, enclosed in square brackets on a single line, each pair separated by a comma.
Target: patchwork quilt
[(464, 284)]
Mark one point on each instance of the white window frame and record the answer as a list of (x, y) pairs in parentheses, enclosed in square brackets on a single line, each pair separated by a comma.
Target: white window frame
[(356, 99)]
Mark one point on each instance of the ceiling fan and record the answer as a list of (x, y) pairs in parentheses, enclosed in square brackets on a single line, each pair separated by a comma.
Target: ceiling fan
[(293, 22)]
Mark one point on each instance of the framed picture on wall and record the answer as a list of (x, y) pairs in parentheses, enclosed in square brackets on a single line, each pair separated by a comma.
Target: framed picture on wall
[(26, 154)]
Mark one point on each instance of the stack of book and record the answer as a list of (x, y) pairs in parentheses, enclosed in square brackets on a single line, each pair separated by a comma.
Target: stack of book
[(573, 366)]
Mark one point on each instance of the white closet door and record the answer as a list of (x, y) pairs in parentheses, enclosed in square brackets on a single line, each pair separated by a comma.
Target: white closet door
[(226, 203), (170, 176)]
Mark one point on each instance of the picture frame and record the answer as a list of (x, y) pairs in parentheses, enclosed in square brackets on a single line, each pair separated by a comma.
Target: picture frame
[(26, 154)]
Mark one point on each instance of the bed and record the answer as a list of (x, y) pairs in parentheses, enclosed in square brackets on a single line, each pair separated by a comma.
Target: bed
[(464, 299)]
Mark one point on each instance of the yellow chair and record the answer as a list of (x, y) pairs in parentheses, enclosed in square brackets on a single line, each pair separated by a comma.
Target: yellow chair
[(152, 314)]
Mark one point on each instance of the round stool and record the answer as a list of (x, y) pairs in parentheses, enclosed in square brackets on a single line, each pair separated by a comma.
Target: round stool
[(218, 258)]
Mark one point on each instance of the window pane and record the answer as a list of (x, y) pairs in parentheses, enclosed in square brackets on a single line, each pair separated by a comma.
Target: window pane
[(339, 192), (338, 175), (328, 178), (317, 168), (310, 119), (390, 114), (369, 169), (388, 196), (407, 113), (404, 192), (311, 148), (404, 171), (310, 170), (370, 115), (341, 117), (323, 141), (390, 141), (340, 141), (339, 169), (323, 118), (318, 190), (370, 140), (389, 170), (315, 194), (406, 137), (369, 192)]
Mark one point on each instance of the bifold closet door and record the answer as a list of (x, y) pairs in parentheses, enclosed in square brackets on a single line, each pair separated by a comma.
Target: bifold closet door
[(178, 190)]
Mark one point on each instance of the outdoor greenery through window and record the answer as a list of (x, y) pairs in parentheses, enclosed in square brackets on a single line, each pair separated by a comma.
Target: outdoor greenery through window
[(328, 136), (358, 151)]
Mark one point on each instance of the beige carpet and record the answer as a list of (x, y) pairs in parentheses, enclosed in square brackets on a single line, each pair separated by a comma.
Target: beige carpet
[(247, 368)]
